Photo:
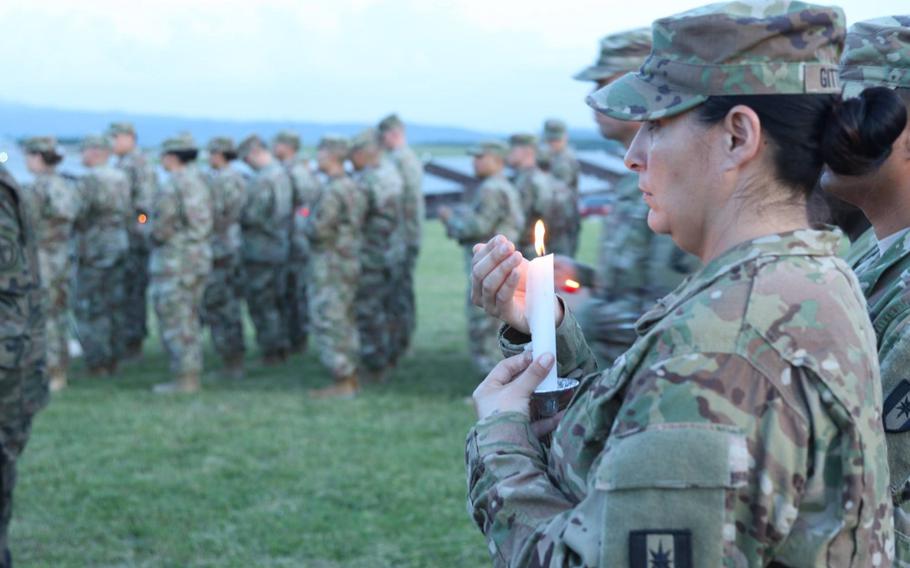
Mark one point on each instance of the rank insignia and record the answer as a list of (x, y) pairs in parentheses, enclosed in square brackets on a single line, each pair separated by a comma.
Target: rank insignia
[(660, 549)]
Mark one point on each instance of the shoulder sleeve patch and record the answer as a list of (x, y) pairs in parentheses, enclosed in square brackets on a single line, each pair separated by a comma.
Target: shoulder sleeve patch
[(897, 409), (660, 549)]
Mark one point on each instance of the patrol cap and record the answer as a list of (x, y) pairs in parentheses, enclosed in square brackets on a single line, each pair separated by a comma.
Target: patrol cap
[(734, 48), (41, 145), (116, 128), (182, 142), (390, 122), (288, 137), (554, 129), (368, 138), (95, 141), (877, 55), (248, 144), (334, 144), (221, 144), (522, 139), (619, 53), (492, 147)]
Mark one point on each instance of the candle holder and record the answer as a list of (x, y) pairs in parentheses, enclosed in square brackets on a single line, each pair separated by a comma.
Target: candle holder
[(546, 404)]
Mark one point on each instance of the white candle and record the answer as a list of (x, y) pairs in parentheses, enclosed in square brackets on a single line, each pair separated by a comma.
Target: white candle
[(540, 307)]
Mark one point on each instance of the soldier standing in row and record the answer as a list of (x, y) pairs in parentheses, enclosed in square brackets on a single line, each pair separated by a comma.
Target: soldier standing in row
[(143, 181), (221, 301), (181, 261), (23, 380), (636, 266), (266, 228), (494, 210), (53, 204), (102, 245), (564, 167), (286, 146), (334, 231), (394, 142), (382, 256)]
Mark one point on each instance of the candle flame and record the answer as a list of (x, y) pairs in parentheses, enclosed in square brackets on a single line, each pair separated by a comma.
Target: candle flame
[(572, 284), (142, 218), (539, 232)]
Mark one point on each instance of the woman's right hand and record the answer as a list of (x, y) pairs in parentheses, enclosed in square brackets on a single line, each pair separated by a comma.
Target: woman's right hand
[(498, 277)]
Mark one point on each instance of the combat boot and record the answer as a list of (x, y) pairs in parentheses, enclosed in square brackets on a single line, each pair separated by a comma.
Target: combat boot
[(345, 387), (132, 352), (233, 367), (186, 383), (274, 359), (58, 379), (376, 376)]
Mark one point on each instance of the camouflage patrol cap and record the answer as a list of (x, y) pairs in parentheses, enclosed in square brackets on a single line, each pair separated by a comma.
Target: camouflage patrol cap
[(390, 122), (292, 139), (334, 144), (95, 141), (619, 53), (247, 144), (41, 145), (877, 55), (181, 143), (493, 147), (221, 144), (116, 128), (369, 138), (554, 129), (734, 48), (522, 139)]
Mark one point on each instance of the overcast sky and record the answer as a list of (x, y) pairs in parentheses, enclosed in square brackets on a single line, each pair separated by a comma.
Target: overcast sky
[(488, 64)]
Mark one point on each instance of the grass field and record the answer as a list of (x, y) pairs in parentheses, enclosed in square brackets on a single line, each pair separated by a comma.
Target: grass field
[(251, 473)]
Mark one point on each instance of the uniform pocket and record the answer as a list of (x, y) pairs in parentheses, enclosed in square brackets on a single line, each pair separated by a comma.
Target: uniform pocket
[(666, 488)]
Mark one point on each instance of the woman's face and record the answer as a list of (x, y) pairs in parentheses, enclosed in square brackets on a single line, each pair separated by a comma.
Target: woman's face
[(672, 158), (34, 163)]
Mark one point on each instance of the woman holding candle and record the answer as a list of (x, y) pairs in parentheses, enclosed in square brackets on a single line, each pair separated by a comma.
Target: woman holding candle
[(744, 425)]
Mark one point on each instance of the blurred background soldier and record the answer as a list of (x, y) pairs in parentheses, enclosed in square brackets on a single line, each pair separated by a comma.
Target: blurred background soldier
[(221, 301), (636, 267), (23, 381), (266, 229), (53, 205), (286, 146), (541, 196), (382, 256), (181, 261), (564, 166), (334, 231), (394, 141), (102, 244), (494, 210), (142, 180)]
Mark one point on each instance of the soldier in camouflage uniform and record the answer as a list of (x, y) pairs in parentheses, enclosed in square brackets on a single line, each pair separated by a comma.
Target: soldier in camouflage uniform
[(266, 227), (143, 182), (875, 74), (394, 141), (181, 261), (53, 204), (494, 210), (382, 256), (286, 146), (636, 266), (334, 230), (542, 197), (23, 380), (563, 165), (221, 301), (102, 245), (743, 427)]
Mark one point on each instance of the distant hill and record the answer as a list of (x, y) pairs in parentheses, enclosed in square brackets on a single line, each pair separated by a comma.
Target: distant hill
[(19, 120)]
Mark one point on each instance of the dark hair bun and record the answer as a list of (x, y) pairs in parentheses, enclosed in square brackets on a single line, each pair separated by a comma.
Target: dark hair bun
[(861, 132)]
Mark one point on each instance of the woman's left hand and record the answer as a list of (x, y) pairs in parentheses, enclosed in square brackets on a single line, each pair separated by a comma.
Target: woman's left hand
[(509, 385)]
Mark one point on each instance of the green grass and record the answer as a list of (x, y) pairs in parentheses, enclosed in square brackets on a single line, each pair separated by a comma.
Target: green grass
[(252, 473)]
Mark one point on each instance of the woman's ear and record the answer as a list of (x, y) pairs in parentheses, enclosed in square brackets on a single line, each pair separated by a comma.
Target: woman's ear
[(742, 136)]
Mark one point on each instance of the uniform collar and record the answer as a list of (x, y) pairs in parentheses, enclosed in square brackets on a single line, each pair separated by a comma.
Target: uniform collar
[(874, 266)]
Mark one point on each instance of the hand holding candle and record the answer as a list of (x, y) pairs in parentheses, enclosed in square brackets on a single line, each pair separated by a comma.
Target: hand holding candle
[(540, 306)]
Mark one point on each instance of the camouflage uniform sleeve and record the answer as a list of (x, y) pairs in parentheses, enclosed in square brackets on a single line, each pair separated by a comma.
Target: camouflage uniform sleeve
[(147, 183), (480, 222), (413, 207), (574, 358), (675, 474), (326, 213), (13, 301), (166, 215)]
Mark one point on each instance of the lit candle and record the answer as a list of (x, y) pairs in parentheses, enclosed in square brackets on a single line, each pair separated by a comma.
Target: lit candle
[(540, 306)]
